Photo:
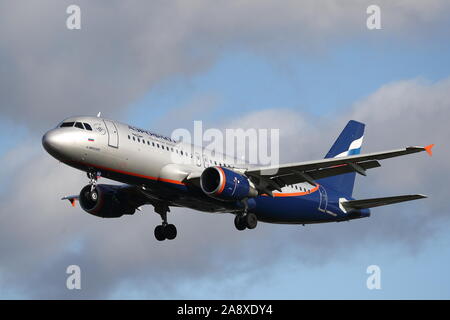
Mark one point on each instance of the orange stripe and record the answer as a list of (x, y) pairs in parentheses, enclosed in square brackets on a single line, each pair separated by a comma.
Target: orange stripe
[(171, 181), (293, 194), (339, 165), (222, 173), (136, 174)]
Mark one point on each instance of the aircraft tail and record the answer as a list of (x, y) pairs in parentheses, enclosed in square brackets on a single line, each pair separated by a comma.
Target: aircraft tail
[(348, 143)]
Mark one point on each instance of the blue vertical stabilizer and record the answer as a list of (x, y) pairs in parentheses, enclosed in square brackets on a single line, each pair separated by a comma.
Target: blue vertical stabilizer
[(348, 143)]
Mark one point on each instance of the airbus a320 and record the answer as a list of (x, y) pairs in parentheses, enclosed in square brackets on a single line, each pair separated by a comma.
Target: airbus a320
[(159, 171)]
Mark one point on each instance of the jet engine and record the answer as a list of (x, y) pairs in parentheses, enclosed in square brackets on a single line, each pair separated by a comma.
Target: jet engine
[(225, 184), (105, 201)]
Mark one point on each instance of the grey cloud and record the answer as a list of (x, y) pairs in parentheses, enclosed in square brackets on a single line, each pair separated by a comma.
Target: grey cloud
[(122, 51), (40, 235), (125, 48)]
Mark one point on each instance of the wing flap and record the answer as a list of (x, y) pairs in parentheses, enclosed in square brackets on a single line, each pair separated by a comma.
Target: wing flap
[(377, 202), (292, 178), (310, 170), (330, 162)]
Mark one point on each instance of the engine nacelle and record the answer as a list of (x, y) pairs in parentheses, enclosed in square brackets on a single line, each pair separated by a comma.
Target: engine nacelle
[(225, 184), (104, 201)]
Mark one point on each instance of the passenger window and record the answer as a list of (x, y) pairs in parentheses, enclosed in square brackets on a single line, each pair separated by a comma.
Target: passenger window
[(79, 125), (67, 124), (134, 139), (87, 126), (153, 144), (129, 137)]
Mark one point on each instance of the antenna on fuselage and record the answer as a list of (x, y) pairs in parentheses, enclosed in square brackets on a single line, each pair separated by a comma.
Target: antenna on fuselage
[(99, 114)]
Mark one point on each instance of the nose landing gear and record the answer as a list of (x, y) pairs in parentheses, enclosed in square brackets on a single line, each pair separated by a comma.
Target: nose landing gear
[(93, 176), (165, 230)]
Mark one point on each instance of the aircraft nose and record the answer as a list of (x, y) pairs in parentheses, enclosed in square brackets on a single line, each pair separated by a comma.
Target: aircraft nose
[(53, 142)]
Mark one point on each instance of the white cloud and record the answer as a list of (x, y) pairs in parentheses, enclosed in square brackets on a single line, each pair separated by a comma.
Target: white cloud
[(40, 235)]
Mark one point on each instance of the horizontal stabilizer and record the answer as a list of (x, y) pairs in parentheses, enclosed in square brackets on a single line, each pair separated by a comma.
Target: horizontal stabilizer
[(377, 202)]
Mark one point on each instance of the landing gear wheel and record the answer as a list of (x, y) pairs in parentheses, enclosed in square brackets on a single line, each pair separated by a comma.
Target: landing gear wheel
[(164, 231), (94, 195), (170, 231), (239, 223), (159, 233), (250, 220)]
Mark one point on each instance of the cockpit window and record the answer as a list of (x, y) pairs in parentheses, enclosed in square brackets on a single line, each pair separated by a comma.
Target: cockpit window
[(67, 124), (79, 125)]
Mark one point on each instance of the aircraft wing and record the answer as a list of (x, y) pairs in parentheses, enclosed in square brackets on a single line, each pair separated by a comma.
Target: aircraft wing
[(275, 177), (72, 199), (377, 202), (135, 196)]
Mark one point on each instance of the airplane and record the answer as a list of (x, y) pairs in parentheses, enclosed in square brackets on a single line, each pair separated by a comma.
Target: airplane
[(159, 171)]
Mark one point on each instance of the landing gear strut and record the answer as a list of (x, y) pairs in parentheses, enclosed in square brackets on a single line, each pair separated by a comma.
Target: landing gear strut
[(245, 219), (93, 175), (164, 231)]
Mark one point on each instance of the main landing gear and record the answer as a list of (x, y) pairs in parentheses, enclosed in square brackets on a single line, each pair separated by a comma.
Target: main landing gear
[(165, 230), (245, 220)]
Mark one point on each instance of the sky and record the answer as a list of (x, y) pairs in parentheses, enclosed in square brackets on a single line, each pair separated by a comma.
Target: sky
[(304, 67)]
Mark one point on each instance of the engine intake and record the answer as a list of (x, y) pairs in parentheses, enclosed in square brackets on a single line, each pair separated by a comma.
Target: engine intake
[(104, 201), (225, 184)]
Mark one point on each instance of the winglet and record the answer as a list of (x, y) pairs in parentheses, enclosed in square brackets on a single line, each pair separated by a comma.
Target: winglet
[(428, 149)]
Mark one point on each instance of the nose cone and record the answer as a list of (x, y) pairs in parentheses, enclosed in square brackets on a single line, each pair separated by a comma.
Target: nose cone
[(54, 142)]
